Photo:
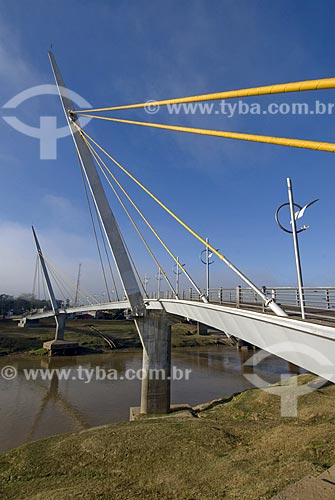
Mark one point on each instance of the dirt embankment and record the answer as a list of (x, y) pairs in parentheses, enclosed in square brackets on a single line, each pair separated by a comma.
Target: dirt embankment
[(238, 450)]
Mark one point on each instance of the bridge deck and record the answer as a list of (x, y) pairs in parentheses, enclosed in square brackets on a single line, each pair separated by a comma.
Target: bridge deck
[(313, 314), (309, 344)]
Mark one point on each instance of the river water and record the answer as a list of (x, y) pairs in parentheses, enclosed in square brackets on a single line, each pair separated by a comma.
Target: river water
[(35, 409)]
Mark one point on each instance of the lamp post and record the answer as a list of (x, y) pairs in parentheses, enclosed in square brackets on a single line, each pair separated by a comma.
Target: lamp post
[(145, 283), (295, 232), (207, 261), (177, 271), (159, 278)]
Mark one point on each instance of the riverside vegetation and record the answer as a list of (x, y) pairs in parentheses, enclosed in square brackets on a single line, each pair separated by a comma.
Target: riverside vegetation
[(14, 340)]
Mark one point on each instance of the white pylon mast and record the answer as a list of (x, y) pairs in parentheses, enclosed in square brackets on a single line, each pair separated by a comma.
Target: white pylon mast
[(77, 287), (106, 215), (51, 293)]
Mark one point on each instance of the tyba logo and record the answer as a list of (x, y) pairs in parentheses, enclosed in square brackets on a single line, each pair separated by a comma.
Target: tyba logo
[(47, 132)]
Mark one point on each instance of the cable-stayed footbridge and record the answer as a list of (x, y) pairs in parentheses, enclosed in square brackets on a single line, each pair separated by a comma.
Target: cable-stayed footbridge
[(251, 314)]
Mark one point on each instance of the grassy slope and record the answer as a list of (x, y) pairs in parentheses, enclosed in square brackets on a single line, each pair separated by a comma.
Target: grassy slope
[(240, 450), (14, 339)]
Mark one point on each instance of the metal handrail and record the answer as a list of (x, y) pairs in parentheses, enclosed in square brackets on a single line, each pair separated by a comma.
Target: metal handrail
[(317, 300)]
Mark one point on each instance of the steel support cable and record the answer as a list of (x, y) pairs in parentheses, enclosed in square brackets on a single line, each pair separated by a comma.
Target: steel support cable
[(129, 254), (34, 280), (102, 237), (41, 281), (182, 268), (154, 231), (93, 152), (186, 226), (279, 141), (324, 83), (102, 164), (94, 230), (133, 264), (106, 252), (131, 218), (42, 287), (68, 282), (98, 217), (95, 155), (38, 279), (98, 159), (65, 286), (45, 296), (61, 283)]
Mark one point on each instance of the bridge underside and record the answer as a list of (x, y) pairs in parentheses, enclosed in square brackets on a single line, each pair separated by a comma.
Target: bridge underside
[(108, 306), (308, 345)]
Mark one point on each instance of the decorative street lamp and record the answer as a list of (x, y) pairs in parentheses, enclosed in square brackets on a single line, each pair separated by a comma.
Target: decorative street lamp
[(145, 283), (159, 278), (294, 231), (205, 257), (177, 271)]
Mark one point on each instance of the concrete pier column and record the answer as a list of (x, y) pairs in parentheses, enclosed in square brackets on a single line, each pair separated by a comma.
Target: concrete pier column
[(244, 344), (22, 323), (155, 333), (60, 326), (202, 329), (59, 346)]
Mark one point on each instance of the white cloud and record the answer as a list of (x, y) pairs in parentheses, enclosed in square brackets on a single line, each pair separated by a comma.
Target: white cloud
[(65, 250), (16, 258), (14, 69), (61, 210)]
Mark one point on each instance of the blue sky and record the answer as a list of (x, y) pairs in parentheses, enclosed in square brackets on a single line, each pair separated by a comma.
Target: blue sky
[(124, 52)]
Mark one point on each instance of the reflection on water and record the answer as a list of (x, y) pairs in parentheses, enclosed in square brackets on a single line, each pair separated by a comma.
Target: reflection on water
[(31, 410)]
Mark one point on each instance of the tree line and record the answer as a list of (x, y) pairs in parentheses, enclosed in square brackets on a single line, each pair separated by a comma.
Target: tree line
[(22, 304)]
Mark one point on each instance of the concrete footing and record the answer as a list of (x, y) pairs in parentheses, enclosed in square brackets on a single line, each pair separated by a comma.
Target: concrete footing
[(243, 344), (155, 333), (60, 347), (24, 322), (134, 413), (202, 329)]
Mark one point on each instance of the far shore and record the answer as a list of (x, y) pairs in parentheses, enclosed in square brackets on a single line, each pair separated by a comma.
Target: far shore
[(29, 341)]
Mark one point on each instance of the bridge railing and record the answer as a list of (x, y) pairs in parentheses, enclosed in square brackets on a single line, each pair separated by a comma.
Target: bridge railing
[(319, 301), (314, 297)]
